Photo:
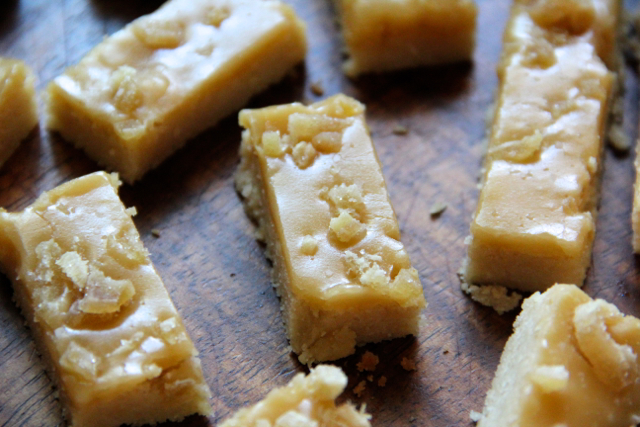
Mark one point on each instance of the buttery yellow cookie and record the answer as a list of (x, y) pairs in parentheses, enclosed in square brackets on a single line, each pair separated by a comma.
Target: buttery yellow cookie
[(571, 361), (307, 401), (535, 221), (18, 106), (143, 92), (384, 35), (310, 177), (101, 317)]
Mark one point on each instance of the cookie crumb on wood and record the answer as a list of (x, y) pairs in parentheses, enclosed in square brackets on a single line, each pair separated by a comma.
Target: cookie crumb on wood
[(317, 89), (382, 381), (368, 362), (400, 130), (407, 364), (359, 389)]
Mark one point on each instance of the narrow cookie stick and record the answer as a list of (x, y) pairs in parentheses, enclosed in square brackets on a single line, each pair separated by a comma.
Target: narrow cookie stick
[(535, 221), (311, 178), (18, 106)]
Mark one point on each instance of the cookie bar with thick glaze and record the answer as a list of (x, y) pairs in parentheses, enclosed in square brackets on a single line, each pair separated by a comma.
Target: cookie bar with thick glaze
[(307, 401), (143, 92), (310, 177), (384, 35), (570, 362), (18, 106), (101, 317), (535, 221)]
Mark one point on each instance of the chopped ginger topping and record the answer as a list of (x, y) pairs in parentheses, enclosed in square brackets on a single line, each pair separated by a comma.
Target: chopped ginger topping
[(346, 227), (309, 246), (550, 378), (303, 154), (127, 96), (217, 15), (158, 34), (272, 144)]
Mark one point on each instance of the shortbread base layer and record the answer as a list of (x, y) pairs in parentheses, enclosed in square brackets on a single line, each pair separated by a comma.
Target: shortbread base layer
[(318, 334), (18, 106)]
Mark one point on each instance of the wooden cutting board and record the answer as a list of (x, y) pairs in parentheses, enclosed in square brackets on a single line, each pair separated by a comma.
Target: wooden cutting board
[(217, 273)]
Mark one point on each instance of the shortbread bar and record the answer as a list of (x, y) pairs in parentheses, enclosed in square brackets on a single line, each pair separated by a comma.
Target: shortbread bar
[(535, 221), (18, 106), (384, 35), (307, 401), (311, 178), (142, 93), (571, 362), (114, 343)]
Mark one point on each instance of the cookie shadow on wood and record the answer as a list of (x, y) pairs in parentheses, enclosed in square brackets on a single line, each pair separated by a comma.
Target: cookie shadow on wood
[(400, 89)]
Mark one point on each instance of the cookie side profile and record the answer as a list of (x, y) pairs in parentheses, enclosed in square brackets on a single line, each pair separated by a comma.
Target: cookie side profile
[(386, 35), (18, 105)]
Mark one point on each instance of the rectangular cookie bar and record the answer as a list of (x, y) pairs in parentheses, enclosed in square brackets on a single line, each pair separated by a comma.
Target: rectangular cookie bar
[(18, 106), (307, 401), (535, 221), (143, 92), (311, 178), (570, 362), (384, 35), (102, 319)]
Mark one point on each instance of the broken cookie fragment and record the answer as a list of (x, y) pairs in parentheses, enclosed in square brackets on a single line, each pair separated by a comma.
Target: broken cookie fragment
[(571, 361), (307, 401)]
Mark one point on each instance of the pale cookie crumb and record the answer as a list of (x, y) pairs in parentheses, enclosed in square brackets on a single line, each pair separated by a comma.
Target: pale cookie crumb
[(155, 232), (368, 362), (475, 416), (493, 296), (408, 364), (359, 389), (317, 89), (437, 209), (400, 130)]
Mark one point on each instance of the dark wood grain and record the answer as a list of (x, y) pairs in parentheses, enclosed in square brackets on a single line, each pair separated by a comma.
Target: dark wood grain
[(217, 273)]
